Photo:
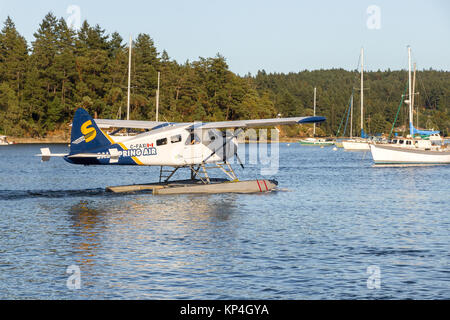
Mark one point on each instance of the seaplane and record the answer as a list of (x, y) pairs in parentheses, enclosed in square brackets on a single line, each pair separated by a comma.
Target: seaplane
[(195, 146)]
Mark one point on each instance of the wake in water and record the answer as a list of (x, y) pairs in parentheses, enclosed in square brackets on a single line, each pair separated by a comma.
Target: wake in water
[(26, 194)]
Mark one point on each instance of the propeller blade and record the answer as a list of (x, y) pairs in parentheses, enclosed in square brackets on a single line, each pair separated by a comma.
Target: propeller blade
[(239, 160), (226, 141)]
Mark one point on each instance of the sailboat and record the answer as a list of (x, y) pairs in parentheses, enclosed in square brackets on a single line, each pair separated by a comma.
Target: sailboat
[(358, 144), (315, 141), (412, 150), (4, 141), (116, 135)]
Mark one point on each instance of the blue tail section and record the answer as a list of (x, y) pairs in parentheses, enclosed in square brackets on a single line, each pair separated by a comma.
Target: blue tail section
[(86, 136)]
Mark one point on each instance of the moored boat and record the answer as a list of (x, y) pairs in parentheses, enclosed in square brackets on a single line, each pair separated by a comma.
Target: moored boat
[(4, 141), (421, 147), (356, 144), (362, 143), (316, 142), (409, 151)]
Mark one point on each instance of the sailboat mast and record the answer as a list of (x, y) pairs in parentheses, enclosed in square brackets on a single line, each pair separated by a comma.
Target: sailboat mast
[(157, 98), (351, 117), (315, 91), (362, 92), (411, 128), (129, 78), (414, 93)]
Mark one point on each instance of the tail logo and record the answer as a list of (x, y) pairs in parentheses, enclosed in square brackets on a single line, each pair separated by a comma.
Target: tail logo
[(89, 132)]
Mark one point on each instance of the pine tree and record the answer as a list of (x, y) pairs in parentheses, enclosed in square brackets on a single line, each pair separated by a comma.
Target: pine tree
[(42, 80), (13, 56)]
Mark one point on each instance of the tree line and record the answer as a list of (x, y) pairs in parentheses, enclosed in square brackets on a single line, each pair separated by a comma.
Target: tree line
[(43, 83)]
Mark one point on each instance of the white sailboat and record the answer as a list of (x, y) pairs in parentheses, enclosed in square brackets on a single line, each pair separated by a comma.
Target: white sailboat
[(412, 150), (356, 145), (4, 141), (361, 143), (117, 135), (316, 141)]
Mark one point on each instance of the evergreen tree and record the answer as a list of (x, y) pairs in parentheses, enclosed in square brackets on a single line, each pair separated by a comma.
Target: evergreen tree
[(41, 87)]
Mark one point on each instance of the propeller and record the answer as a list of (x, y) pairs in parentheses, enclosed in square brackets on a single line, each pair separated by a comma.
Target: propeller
[(226, 141)]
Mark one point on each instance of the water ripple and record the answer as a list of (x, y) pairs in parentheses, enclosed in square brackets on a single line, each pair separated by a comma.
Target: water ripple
[(317, 241)]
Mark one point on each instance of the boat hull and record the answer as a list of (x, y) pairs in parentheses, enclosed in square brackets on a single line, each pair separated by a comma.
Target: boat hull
[(316, 143), (356, 145), (387, 155)]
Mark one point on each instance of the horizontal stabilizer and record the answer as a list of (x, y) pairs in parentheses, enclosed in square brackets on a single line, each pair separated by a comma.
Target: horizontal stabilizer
[(89, 155), (113, 155), (46, 155)]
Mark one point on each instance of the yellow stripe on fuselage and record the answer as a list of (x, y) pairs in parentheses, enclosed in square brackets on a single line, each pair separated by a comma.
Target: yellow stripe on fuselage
[(122, 145), (108, 137), (135, 159)]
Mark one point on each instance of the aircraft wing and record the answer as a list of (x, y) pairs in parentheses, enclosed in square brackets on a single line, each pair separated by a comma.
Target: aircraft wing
[(257, 123), (132, 124), (127, 124)]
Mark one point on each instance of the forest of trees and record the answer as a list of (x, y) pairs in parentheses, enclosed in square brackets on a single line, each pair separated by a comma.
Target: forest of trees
[(43, 83)]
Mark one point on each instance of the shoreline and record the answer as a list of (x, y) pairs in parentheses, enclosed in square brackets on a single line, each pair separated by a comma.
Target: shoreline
[(59, 140), (62, 141), (38, 140)]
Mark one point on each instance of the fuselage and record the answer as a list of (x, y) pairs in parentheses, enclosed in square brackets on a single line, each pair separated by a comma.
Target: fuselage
[(167, 146)]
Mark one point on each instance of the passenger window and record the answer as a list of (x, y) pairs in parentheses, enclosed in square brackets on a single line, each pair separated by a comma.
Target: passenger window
[(408, 142), (175, 139), (395, 141), (401, 141), (161, 142)]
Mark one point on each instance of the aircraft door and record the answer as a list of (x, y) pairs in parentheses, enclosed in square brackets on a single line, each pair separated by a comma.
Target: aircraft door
[(193, 149)]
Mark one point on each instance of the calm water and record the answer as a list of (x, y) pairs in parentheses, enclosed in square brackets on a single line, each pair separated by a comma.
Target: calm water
[(335, 216)]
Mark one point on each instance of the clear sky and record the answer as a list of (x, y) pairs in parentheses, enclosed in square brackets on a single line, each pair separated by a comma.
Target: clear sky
[(277, 36)]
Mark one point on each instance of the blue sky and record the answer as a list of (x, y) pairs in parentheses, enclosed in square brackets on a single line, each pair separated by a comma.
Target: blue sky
[(277, 36)]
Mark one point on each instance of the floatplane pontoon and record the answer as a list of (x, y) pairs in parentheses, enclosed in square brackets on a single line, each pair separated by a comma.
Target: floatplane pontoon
[(198, 147)]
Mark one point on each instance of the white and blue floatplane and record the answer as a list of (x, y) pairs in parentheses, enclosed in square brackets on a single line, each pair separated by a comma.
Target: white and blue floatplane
[(197, 147)]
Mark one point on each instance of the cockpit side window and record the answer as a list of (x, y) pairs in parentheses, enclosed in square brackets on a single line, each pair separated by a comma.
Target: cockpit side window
[(193, 139), (175, 139), (161, 142)]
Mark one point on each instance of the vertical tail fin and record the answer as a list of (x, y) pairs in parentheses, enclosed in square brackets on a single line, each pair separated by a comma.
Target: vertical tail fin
[(86, 136)]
